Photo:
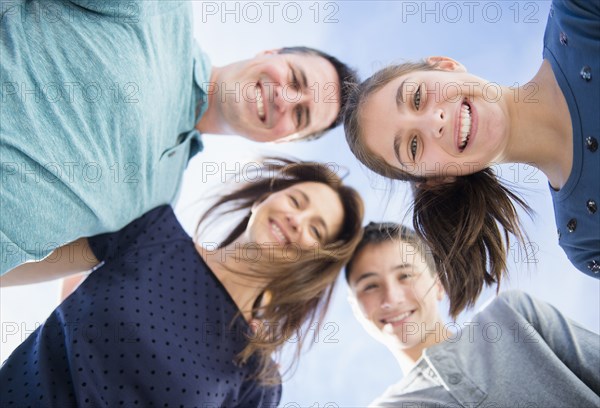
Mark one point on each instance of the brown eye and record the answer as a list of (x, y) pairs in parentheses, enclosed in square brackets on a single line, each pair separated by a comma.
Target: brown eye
[(369, 287), (413, 147), (295, 82), (316, 232), (417, 98), (298, 116), (295, 202)]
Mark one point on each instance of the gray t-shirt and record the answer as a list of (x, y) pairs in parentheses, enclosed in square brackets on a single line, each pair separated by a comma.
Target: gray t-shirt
[(518, 352)]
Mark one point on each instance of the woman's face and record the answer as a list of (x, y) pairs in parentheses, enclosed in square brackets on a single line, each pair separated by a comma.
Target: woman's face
[(396, 292), (306, 215), (436, 123)]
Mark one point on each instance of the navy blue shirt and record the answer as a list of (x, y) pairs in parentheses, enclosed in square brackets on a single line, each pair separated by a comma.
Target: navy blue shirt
[(572, 46), (151, 327)]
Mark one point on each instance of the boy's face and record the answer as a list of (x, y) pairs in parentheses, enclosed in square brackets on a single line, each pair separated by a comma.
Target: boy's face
[(396, 294)]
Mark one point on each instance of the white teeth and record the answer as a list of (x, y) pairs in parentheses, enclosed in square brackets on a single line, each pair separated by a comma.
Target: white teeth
[(259, 103), (399, 317), (278, 232), (465, 125)]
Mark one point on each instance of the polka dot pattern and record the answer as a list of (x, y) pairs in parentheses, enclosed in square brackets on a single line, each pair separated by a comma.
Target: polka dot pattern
[(152, 327)]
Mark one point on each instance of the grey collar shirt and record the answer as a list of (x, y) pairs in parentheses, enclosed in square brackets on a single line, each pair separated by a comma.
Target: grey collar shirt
[(518, 352)]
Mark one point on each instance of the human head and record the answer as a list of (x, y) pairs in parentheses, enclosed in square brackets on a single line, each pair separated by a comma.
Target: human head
[(299, 285), (292, 93), (347, 79), (352, 117), (428, 120), (465, 219), (394, 287)]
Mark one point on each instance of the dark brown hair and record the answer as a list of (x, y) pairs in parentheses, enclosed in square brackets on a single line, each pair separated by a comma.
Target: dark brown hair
[(299, 291), (457, 220), (376, 233)]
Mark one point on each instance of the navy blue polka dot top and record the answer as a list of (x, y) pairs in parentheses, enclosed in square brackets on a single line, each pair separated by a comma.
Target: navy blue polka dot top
[(152, 327)]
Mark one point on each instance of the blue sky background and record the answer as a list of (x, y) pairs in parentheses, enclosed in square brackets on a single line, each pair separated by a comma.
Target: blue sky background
[(500, 41)]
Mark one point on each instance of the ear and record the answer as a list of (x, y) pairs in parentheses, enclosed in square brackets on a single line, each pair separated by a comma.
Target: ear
[(268, 52), (446, 64), (439, 290), (435, 181)]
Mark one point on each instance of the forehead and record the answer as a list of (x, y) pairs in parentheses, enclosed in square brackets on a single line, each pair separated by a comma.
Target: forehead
[(382, 258), (380, 121)]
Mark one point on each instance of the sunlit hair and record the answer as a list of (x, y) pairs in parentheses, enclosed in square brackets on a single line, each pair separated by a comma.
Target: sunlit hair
[(347, 79), (457, 220), (299, 289)]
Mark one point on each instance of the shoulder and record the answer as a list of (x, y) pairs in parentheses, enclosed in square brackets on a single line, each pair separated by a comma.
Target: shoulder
[(133, 11), (583, 8), (510, 300)]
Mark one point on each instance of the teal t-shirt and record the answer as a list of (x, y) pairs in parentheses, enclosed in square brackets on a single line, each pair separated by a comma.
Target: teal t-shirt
[(98, 105)]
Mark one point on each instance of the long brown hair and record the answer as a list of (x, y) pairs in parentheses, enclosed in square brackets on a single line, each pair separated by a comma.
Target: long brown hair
[(457, 220), (299, 291)]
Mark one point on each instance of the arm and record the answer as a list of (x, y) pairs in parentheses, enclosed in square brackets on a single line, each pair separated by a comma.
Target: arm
[(69, 259)]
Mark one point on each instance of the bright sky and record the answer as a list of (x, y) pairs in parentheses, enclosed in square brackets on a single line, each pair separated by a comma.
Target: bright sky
[(500, 41)]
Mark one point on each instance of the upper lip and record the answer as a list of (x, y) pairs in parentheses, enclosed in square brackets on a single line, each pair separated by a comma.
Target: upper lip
[(283, 231), (390, 316)]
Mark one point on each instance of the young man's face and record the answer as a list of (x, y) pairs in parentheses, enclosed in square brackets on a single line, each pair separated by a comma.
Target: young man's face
[(396, 294), (273, 96)]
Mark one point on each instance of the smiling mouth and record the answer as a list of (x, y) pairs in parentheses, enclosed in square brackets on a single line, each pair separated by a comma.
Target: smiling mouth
[(278, 232), (464, 126), (260, 105), (397, 318)]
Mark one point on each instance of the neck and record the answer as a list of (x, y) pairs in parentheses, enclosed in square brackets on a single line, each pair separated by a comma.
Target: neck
[(234, 274), (408, 357), (541, 131), (211, 122)]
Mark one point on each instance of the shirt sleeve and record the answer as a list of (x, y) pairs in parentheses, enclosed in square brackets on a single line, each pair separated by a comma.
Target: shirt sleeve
[(574, 345), (116, 244)]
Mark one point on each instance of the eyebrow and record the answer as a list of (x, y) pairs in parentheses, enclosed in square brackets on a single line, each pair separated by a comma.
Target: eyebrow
[(404, 265), (370, 274), (320, 219), (363, 277), (397, 141), (400, 95)]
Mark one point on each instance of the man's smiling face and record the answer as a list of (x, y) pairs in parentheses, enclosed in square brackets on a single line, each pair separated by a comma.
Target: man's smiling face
[(274, 95)]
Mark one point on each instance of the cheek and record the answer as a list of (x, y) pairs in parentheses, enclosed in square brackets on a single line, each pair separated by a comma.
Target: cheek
[(367, 307), (284, 127), (434, 162), (307, 243)]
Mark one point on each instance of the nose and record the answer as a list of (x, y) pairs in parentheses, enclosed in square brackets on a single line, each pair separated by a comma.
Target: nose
[(438, 123), (391, 297), (293, 222)]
